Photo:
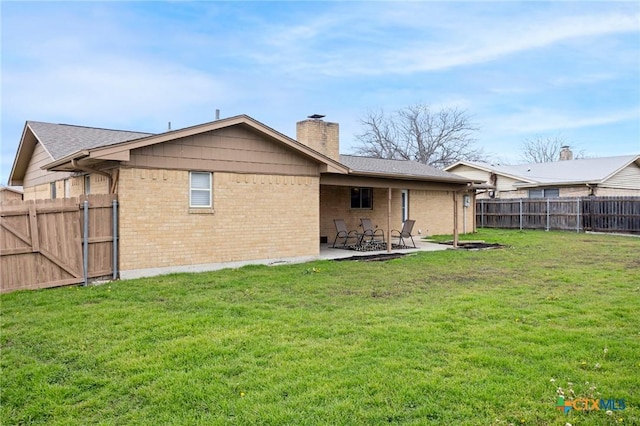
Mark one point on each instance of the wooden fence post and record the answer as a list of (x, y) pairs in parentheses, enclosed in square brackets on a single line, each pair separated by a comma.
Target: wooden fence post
[(85, 243), (115, 239)]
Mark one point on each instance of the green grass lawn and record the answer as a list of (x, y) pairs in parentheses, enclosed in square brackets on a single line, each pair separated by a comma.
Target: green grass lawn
[(452, 337)]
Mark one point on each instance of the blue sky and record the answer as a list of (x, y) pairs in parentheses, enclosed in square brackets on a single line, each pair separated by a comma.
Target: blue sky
[(520, 69)]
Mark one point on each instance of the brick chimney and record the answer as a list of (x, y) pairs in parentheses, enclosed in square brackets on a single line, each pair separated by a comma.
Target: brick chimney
[(565, 153), (319, 135)]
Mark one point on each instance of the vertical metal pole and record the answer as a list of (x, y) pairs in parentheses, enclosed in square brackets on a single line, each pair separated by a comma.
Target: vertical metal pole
[(547, 214), (521, 214), (85, 243), (115, 239), (578, 215), (389, 220)]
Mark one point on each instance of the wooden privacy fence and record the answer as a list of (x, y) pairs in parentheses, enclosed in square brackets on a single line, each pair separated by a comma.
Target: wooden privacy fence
[(49, 243), (602, 214)]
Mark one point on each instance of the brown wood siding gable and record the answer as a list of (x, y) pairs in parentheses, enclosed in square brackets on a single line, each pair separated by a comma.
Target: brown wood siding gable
[(233, 149), (34, 175)]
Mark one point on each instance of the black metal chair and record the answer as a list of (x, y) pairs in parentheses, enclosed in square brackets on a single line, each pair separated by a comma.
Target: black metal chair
[(371, 235), (405, 232), (342, 232)]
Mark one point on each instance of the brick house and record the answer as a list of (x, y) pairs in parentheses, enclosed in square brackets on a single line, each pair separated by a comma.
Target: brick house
[(233, 190), (604, 176)]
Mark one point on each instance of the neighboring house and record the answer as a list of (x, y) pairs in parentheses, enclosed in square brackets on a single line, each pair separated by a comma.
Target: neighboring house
[(605, 176), (8, 193), (234, 190)]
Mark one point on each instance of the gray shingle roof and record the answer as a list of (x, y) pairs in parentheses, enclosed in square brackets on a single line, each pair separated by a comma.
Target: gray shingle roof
[(61, 140), (395, 167), (582, 170)]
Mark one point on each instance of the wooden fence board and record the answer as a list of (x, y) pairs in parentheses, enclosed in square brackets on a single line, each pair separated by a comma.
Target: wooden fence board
[(41, 242), (603, 214)]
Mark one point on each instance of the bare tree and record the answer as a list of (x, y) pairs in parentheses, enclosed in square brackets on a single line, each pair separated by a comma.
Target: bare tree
[(415, 133), (542, 150), (545, 149)]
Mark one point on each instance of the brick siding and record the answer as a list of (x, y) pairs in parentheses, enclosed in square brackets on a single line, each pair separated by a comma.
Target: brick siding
[(253, 217)]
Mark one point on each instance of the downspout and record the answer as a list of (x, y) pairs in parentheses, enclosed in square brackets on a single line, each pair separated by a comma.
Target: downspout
[(464, 215), (455, 214), (112, 181)]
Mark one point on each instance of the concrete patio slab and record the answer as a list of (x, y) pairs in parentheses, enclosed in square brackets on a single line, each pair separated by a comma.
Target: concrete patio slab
[(329, 253)]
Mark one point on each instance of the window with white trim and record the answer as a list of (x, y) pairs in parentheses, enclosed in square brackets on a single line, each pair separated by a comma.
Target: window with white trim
[(200, 189), (544, 193)]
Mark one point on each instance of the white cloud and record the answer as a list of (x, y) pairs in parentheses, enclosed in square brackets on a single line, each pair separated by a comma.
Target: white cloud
[(401, 46), (539, 120), (499, 40)]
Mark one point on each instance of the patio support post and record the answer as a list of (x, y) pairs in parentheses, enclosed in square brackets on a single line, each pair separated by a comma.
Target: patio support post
[(455, 219), (389, 221)]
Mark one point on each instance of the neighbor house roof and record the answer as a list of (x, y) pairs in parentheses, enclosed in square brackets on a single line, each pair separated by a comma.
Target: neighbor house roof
[(566, 172), (16, 189), (403, 168)]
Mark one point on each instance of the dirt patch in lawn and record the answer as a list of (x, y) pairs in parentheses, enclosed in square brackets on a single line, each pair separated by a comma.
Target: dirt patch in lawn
[(374, 257), (475, 245)]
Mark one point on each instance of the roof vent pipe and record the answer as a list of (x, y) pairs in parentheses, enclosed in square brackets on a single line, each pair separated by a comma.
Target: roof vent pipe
[(217, 114), (169, 126)]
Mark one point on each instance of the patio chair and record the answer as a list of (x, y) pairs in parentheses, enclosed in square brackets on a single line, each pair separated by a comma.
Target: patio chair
[(343, 233), (370, 234), (405, 232)]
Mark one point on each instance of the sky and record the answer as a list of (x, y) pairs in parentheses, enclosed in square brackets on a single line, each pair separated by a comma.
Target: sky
[(520, 70)]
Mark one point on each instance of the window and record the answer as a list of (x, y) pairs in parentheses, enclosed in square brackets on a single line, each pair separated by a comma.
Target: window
[(67, 188), (52, 188), (551, 193), (87, 184), (199, 189), (361, 198), (544, 193)]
